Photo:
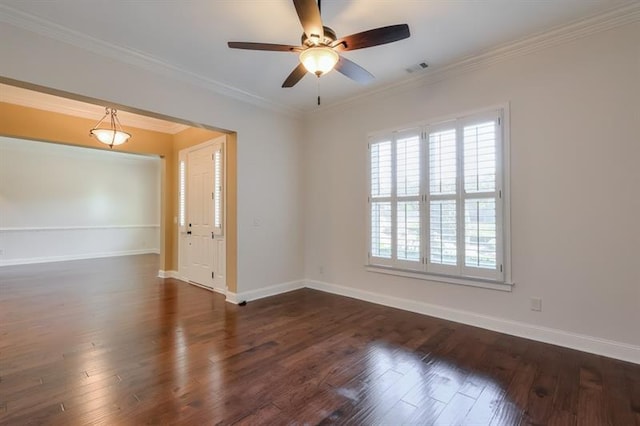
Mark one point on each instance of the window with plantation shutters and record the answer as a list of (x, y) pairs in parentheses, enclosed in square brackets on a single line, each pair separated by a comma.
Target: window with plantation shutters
[(436, 199)]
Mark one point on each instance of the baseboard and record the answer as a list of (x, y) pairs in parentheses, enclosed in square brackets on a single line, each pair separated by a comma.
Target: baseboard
[(233, 298), (48, 259), (176, 275), (581, 342), (167, 274), (219, 291), (260, 293)]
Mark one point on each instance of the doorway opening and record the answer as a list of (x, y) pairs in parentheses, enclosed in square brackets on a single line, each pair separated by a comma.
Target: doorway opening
[(65, 118)]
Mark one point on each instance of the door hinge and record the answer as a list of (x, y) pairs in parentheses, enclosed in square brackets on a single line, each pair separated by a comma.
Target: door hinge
[(499, 121), (212, 196), (500, 268), (213, 275), (500, 193), (213, 236)]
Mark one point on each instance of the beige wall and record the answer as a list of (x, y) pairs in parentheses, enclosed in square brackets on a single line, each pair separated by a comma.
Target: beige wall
[(29, 123)]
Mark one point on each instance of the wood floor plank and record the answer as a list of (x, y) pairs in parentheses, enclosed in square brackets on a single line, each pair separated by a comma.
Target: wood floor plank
[(269, 414), (105, 341), (456, 410)]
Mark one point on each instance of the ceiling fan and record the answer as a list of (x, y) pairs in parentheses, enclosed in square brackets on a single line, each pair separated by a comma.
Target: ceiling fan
[(319, 52)]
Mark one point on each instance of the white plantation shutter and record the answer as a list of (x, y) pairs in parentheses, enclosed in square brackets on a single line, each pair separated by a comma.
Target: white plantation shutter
[(408, 240), (480, 233), (380, 200), (218, 189), (443, 235), (435, 198), (381, 169), (480, 143), (381, 229), (479, 146), (442, 195), (407, 168), (394, 199), (443, 163)]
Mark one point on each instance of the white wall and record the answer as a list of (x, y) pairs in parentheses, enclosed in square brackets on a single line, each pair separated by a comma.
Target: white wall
[(268, 152), (62, 202), (575, 141)]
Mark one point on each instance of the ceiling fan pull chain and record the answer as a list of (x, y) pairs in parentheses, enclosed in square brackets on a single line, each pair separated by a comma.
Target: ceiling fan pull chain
[(318, 86)]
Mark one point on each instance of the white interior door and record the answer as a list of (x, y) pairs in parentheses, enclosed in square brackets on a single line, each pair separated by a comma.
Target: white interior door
[(199, 227)]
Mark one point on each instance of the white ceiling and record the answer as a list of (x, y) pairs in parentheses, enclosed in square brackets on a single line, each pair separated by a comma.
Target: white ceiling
[(191, 35)]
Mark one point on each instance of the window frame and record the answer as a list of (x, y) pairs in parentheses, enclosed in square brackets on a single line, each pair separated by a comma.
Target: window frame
[(499, 278)]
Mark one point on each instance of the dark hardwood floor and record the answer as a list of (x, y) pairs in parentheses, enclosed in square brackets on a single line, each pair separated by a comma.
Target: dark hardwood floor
[(106, 342)]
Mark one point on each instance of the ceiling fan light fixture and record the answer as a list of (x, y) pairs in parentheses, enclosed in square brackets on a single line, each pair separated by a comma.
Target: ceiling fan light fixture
[(319, 60), (113, 135)]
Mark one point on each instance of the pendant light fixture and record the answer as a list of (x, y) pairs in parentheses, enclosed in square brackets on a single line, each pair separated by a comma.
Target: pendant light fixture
[(112, 135)]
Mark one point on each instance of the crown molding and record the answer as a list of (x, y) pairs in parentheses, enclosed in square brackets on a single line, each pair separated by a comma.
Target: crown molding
[(613, 18), (48, 29)]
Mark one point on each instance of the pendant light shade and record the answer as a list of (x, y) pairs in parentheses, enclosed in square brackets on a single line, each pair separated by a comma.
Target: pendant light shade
[(112, 135)]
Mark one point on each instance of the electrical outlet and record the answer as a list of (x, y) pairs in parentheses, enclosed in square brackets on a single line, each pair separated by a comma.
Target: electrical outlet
[(536, 304), (257, 221)]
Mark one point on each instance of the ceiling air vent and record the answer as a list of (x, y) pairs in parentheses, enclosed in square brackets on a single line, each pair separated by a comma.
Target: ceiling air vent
[(417, 67)]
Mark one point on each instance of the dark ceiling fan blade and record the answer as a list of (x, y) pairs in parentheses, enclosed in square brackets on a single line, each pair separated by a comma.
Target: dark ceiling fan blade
[(263, 46), (295, 76), (375, 37), (354, 71), (309, 14)]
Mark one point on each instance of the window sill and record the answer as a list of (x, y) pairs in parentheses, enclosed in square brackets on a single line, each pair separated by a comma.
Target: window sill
[(468, 281)]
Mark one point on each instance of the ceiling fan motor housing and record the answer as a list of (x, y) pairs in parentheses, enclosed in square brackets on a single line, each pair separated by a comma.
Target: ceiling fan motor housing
[(314, 40)]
